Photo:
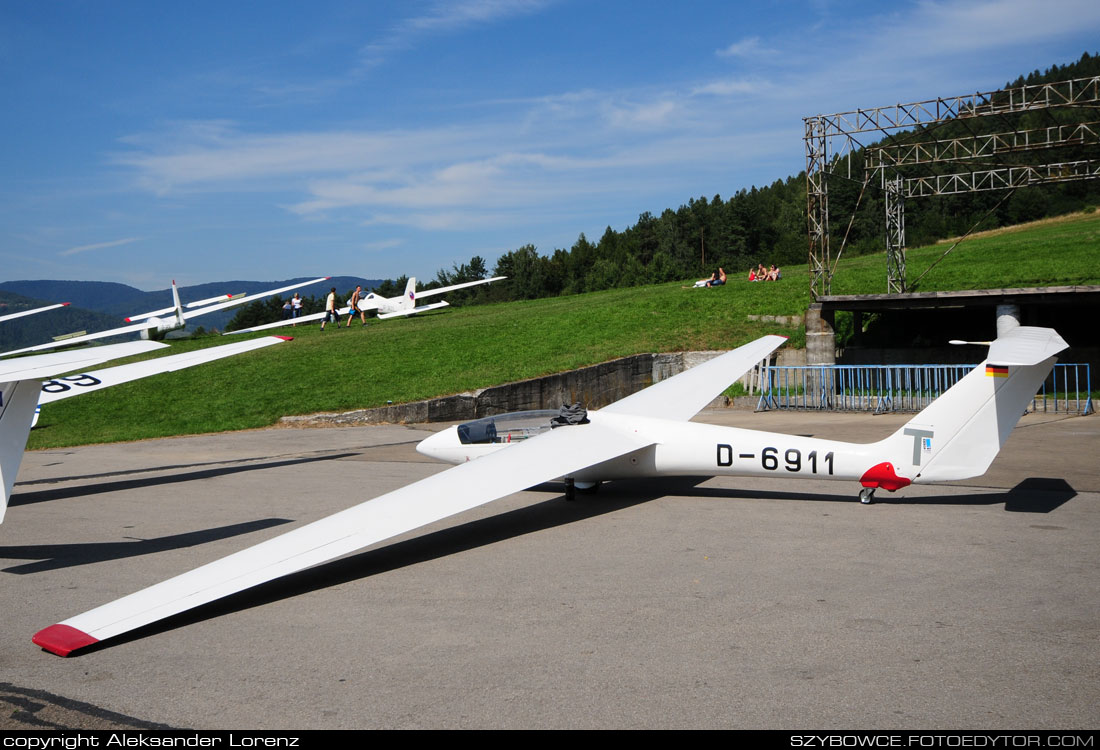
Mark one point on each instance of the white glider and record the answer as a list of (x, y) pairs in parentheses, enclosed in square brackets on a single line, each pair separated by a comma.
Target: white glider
[(392, 307), (645, 434), (387, 307), (13, 316), (152, 324), (22, 390)]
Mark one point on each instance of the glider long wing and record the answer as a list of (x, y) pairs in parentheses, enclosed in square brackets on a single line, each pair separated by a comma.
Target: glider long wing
[(74, 385), (461, 488), (445, 289), (45, 365), (289, 321), (136, 327), (13, 316), (683, 396), (251, 298)]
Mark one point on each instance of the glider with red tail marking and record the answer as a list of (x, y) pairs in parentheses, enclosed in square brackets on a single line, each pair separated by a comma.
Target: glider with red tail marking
[(643, 435)]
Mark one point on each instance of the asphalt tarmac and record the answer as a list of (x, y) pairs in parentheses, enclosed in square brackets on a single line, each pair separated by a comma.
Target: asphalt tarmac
[(678, 603)]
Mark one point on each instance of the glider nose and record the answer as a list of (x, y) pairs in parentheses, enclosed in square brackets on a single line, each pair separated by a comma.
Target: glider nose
[(440, 446)]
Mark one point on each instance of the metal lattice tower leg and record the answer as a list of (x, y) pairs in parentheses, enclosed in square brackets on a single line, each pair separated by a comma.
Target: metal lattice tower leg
[(895, 233), (817, 206)]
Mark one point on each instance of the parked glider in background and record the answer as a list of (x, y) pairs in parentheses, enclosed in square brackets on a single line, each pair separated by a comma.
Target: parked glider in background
[(13, 316), (387, 307), (153, 324), (22, 389), (392, 307), (643, 435)]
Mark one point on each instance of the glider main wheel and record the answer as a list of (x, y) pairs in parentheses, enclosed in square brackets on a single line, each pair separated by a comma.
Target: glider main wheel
[(867, 495), (587, 488)]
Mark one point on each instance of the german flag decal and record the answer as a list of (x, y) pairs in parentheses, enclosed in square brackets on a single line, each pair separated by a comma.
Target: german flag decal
[(996, 371)]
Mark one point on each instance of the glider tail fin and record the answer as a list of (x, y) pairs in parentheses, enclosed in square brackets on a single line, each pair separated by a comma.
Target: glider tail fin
[(960, 433), (409, 300), (180, 322), (18, 399)]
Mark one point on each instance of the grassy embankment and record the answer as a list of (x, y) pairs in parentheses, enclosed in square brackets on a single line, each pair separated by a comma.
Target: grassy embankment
[(468, 348)]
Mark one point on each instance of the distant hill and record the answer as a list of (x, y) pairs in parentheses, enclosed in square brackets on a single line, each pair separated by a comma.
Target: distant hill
[(35, 329), (99, 305)]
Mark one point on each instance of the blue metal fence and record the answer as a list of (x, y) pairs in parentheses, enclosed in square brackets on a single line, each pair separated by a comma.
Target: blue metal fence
[(904, 388)]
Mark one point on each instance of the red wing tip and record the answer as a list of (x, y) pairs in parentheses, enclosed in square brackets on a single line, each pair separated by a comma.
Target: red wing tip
[(62, 639), (285, 338), (129, 320), (65, 304), (327, 278)]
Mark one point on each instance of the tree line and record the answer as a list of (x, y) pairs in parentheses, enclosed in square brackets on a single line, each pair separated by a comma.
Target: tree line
[(768, 224)]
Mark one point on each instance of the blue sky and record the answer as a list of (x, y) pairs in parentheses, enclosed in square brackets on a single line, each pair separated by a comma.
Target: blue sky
[(264, 140)]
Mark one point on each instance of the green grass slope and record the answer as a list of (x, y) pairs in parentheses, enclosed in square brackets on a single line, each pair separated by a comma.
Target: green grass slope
[(462, 349), (1061, 251)]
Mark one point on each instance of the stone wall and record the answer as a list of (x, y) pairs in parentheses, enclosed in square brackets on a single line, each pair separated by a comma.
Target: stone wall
[(595, 386)]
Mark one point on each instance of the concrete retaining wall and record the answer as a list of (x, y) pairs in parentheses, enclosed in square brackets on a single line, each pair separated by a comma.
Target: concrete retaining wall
[(595, 386)]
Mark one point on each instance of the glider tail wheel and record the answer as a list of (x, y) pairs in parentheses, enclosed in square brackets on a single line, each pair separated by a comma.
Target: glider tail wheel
[(867, 495)]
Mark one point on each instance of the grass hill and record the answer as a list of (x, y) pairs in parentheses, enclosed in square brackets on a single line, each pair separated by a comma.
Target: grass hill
[(477, 346)]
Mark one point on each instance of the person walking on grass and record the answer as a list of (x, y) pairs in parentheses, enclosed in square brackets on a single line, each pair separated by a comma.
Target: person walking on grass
[(330, 310)]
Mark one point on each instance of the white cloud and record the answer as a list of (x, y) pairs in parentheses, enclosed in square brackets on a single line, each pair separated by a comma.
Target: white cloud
[(730, 87), (446, 17), (748, 47), (970, 26)]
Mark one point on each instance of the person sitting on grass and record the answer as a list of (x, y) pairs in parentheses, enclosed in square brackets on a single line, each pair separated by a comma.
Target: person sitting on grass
[(701, 283)]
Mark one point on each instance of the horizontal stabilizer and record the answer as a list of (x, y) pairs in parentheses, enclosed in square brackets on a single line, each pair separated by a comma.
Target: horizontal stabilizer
[(1025, 345)]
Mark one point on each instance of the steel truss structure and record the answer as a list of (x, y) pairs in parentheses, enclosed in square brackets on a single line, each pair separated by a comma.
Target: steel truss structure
[(829, 138)]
